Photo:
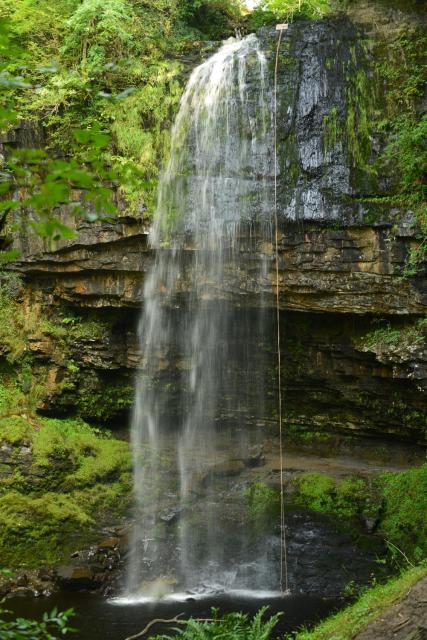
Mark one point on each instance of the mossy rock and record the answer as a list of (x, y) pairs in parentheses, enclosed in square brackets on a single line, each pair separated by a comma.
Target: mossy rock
[(72, 479)]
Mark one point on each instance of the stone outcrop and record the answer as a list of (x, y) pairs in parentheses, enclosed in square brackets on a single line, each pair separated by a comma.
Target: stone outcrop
[(342, 255), (348, 270), (341, 372)]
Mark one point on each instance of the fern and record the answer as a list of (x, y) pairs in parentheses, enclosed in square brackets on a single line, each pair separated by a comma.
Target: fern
[(233, 626)]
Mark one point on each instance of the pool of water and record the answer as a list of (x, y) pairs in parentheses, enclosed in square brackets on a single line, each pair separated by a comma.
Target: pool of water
[(100, 619)]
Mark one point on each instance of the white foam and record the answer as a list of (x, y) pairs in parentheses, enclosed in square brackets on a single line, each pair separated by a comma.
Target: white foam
[(186, 596)]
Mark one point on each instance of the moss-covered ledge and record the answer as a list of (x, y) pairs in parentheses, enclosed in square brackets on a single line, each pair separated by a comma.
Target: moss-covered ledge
[(61, 481)]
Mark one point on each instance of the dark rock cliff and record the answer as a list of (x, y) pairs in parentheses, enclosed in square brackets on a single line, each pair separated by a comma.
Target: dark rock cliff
[(342, 253)]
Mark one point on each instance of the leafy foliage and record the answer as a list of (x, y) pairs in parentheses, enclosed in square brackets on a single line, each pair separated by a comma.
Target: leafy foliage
[(287, 10), (216, 19), (233, 626), (33, 183), (53, 624), (98, 32), (44, 183), (390, 337), (410, 148), (402, 70), (118, 73)]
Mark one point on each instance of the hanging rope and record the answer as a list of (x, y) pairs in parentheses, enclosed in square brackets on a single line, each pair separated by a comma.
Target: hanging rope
[(284, 583)]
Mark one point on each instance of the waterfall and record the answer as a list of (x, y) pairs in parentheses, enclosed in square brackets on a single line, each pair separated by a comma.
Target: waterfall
[(200, 392)]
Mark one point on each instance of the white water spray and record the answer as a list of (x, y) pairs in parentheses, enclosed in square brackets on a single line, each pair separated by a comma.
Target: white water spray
[(199, 392)]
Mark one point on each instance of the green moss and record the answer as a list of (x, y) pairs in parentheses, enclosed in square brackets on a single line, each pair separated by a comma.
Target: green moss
[(330, 131), (20, 393), (349, 498), (302, 434), (75, 479), (263, 503), (13, 429), (100, 398), (103, 461), (400, 498), (315, 491), (32, 528), (404, 517)]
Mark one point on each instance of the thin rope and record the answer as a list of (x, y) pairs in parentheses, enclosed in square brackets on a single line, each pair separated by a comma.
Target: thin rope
[(284, 584)]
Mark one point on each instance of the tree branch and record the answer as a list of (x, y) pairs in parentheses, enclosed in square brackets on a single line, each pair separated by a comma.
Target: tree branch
[(152, 623)]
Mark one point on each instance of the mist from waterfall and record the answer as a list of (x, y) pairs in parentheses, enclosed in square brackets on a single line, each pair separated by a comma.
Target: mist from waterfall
[(200, 392)]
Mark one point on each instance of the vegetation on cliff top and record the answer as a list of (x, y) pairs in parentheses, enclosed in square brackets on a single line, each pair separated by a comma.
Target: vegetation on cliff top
[(117, 69), (113, 67)]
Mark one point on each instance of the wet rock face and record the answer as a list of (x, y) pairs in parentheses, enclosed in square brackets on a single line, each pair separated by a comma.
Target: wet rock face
[(316, 62), (321, 558), (28, 583), (336, 376), (335, 381), (94, 568), (352, 270)]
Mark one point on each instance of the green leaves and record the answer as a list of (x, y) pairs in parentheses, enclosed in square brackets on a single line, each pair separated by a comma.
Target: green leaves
[(409, 150), (270, 10), (55, 622), (233, 626), (98, 32), (37, 184)]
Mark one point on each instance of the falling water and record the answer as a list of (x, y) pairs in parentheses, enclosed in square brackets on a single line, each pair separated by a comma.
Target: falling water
[(200, 392)]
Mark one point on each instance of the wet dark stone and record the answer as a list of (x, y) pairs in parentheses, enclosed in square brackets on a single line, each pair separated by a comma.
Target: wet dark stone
[(76, 577), (170, 515)]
